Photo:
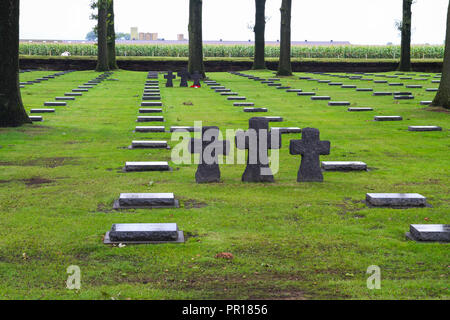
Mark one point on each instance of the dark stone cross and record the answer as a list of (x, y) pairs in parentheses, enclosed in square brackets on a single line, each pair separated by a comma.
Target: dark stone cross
[(258, 140), (310, 148), (169, 76), (209, 147), (184, 76), (196, 77)]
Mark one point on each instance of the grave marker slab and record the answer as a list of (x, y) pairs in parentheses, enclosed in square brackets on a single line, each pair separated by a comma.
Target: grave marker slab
[(144, 233), (144, 129), (146, 201), (42, 110), (424, 128), (388, 118), (150, 119), (139, 166), (392, 200), (429, 232), (357, 109), (148, 144), (314, 98), (343, 166), (151, 104), (55, 104), (338, 103)]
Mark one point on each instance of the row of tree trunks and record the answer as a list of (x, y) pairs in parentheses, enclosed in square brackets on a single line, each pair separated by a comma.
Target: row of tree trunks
[(12, 111)]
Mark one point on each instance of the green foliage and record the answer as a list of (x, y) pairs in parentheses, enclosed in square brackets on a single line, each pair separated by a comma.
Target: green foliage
[(232, 51)]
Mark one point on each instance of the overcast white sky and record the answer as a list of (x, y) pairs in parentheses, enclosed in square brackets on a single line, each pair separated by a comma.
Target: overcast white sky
[(357, 21)]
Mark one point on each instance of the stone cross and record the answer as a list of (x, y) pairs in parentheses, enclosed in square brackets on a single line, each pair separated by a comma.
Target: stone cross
[(196, 77), (209, 147), (258, 140), (184, 75), (310, 148), (169, 76)]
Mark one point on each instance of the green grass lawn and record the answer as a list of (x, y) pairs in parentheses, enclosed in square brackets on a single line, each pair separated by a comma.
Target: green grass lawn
[(59, 178)]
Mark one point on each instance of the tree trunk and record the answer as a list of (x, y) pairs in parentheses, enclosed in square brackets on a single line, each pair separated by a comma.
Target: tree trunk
[(111, 37), (284, 66), (12, 112), (102, 60), (260, 29), (405, 58), (442, 98), (195, 38)]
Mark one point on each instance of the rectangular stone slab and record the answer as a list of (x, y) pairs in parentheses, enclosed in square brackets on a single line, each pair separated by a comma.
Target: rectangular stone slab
[(145, 97), (283, 87), (243, 104), (287, 130), (64, 98), (85, 87), (364, 89), (217, 87), (229, 94), (73, 94), (145, 200), (80, 90), (42, 110), (185, 128), (152, 104), (55, 104), (348, 86), (429, 232), (133, 235), (146, 166), (36, 118), (425, 103), (255, 110), (150, 119), (150, 110), (149, 144), (274, 84), (306, 94), (152, 91), (320, 98), (388, 118), (403, 97), (356, 109), (344, 166), (414, 86), (376, 94), (432, 89), (338, 103), (424, 128), (396, 200), (150, 129), (236, 98), (294, 90)]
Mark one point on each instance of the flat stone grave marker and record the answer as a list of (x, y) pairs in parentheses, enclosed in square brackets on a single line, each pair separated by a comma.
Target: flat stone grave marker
[(145, 97), (294, 90), (396, 84), (139, 166), (149, 144), (320, 98), (255, 109), (335, 84), (274, 79), (364, 89), (169, 77), (283, 87), (151, 104), (85, 87), (36, 118), (393, 200), (229, 94), (80, 90), (217, 87), (424, 128), (358, 109), (73, 94), (414, 86), (92, 84), (222, 90), (388, 118), (306, 93), (236, 98), (55, 104), (271, 119), (64, 98), (432, 89), (344, 166), (144, 129), (151, 94), (144, 233), (152, 91), (274, 84), (338, 103), (378, 94), (435, 81), (42, 110), (429, 232), (380, 81), (287, 130), (348, 86), (402, 97), (402, 93), (244, 104), (391, 77), (152, 87), (258, 140), (185, 128), (150, 110), (150, 119), (209, 147), (310, 148), (266, 82), (405, 78), (146, 201), (304, 78), (324, 81)]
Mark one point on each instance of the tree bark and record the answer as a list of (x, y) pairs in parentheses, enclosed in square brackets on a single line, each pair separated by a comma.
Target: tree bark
[(260, 29), (405, 57), (12, 112), (111, 37), (195, 38), (284, 66), (442, 98), (102, 59)]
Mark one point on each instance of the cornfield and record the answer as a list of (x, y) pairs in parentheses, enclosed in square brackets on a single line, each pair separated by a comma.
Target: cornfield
[(237, 51)]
